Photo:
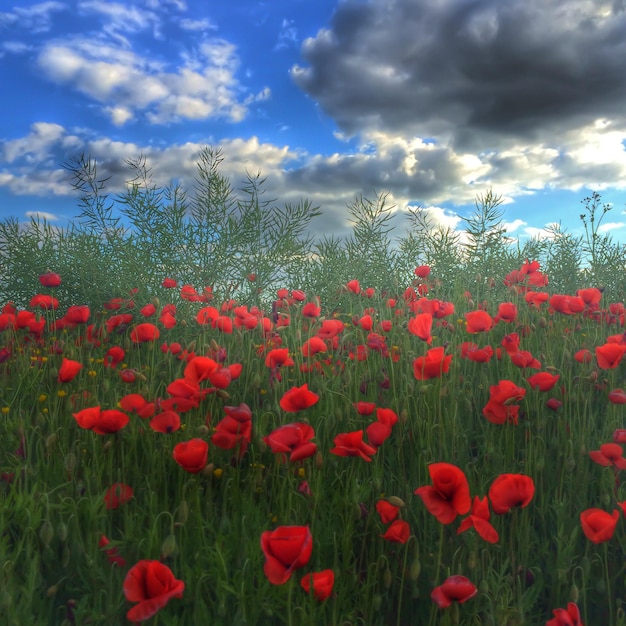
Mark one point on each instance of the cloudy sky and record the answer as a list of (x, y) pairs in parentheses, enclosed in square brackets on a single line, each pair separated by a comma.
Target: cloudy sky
[(432, 101)]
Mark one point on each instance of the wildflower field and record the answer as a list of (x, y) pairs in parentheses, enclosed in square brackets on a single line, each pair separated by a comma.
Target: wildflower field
[(209, 417)]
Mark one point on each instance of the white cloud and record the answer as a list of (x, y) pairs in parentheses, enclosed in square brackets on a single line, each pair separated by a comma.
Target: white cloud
[(42, 215), (196, 25), (34, 19), (203, 87), (609, 226)]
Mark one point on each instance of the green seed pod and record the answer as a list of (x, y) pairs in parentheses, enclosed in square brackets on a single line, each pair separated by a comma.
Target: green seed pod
[(52, 591), (483, 587), (46, 533), (105, 384), (573, 592)]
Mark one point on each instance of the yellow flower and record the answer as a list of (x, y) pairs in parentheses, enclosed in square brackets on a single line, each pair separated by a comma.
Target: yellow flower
[(217, 472), (43, 397), (61, 393), (92, 373), (5, 410), (301, 472)]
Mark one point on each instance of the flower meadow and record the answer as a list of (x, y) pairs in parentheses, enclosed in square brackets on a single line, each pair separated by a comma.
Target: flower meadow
[(421, 452)]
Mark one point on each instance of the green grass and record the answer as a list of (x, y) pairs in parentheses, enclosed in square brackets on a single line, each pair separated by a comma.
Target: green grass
[(207, 526)]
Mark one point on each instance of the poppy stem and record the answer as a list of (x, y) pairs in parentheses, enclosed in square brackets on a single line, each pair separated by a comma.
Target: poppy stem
[(608, 582)]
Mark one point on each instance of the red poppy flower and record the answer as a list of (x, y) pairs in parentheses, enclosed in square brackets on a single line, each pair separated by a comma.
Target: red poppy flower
[(353, 286), (421, 326), (617, 396), (144, 332), (507, 312), (535, 299), (114, 356), (43, 301), (472, 352), (279, 357), (499, 408), (388, 512), (313, 346), (454, 589), (422, 271), (478, 322), (101, 422), (609, 355), (479, 519), (330, 329), (68, 370), (543, 381), (566, 617), (433, 365), (511, 343), (117, 495), (152, 585), (165, 422), (298, 398), (78, 314), (136, 403), (583, 356), (112, 553), (449, 494), (169, 283), (365, 408), (50, 279), (590, 296), (609, 454), (352, 444), (398, 532), (321, 583), (191, 455), (511, 490), (524, 359), (292, 439), (598, 525), (619, 435), (286, 549)]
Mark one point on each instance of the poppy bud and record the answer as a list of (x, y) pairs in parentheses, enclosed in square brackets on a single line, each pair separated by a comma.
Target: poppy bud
[(395, 501), (70, 462), (221, 393), (66, 553), (52, 591), (573, 592), (183, 512), (5, 599), (319, 460), (51, 441), (62, 531), (169, 547), (46, 533), (415, 569), (387, 578)]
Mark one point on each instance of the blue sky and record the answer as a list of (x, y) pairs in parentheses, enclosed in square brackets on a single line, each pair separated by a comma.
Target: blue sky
[(434, 102)]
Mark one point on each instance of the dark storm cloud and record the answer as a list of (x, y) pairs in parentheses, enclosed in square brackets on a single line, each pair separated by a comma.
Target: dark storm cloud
[(469, 71)]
